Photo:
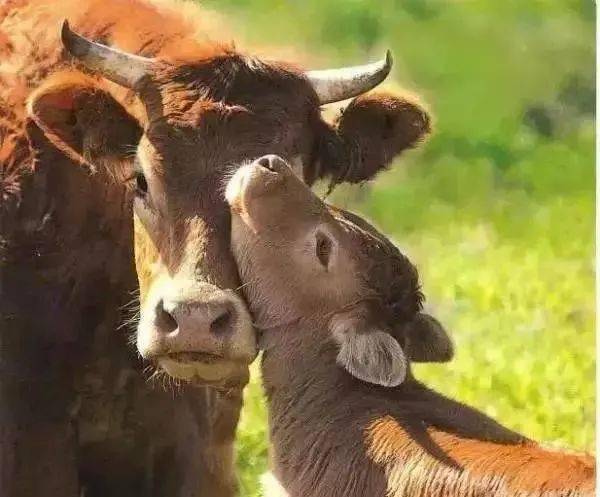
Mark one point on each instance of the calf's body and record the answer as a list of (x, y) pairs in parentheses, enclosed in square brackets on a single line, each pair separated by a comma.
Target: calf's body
[(334, 435)]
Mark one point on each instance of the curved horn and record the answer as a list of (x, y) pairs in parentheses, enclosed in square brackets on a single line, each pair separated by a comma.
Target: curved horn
[(333, 85), (122, 68)]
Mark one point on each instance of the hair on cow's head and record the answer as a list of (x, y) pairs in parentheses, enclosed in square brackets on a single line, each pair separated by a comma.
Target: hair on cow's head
[(383, 334)]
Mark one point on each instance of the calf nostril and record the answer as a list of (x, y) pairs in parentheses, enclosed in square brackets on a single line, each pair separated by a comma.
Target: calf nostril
[(271, 162), (222, 324), (165, 322), (265, 162)]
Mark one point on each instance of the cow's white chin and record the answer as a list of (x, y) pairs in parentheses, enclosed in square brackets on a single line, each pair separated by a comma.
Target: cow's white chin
[(198, 372)]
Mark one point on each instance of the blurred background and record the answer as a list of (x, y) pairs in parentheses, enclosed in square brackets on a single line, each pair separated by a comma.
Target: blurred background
[(496, 209)]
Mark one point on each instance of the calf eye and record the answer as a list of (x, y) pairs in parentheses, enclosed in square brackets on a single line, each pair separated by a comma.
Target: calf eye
[(141, 185), (323, 249)]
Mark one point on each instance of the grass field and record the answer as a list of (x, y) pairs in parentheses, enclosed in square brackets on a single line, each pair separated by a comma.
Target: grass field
[(497, 209)]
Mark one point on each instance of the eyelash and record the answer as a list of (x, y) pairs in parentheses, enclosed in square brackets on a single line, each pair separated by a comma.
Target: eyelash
[(140, 183)]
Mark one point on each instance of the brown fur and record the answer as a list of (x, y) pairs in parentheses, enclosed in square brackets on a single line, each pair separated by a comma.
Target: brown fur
[(333, 434), (482, 467), (75, 410)]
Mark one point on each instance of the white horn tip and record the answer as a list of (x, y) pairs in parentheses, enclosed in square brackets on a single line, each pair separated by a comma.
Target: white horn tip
[(334, 85)]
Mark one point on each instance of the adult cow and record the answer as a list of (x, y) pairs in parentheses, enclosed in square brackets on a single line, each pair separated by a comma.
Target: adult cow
[(75, 411)]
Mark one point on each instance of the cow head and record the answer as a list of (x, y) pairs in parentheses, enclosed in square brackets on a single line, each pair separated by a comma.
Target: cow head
[(203, 117), (302, 260)]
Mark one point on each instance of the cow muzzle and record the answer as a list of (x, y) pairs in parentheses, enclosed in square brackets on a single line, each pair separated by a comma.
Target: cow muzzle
[(199, 333)]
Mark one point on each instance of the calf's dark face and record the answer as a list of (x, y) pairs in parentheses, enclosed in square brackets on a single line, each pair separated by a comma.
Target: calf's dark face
[(300, 259)]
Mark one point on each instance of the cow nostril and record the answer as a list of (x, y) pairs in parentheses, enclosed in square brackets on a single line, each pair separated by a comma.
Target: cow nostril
[(222, 323), (164, 321)]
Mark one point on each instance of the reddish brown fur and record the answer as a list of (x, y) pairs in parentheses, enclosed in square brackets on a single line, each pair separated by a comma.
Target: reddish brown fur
[(74, 408), (521, 469)]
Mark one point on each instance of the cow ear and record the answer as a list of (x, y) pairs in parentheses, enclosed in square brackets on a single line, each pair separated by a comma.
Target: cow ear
[(426, 340), (83, 120), (369, 134), (371, 355)]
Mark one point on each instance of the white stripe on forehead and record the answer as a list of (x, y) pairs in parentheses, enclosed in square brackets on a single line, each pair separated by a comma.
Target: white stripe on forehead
[(141, 156)]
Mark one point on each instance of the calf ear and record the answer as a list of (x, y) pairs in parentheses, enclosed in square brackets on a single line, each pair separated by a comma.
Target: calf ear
[(371, 355), (426, 340), (83, 120), (372, 131)]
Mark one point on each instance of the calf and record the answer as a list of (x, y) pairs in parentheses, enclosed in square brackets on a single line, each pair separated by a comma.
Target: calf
[(318, 283)]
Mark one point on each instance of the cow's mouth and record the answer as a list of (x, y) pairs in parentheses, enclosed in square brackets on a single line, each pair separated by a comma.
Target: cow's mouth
[(188, 357), (204, 369)]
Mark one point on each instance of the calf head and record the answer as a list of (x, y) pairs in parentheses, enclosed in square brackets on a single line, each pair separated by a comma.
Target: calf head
[(300, 259), (199, 118)]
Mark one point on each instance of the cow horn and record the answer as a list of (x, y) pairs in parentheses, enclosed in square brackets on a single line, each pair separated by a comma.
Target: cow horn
[(121, 67), (333, 85)]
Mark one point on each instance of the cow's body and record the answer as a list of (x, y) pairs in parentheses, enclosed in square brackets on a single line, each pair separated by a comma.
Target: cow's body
[(75, 408)]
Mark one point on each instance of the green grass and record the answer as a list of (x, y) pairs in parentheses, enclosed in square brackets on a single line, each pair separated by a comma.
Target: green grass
[(496, 210)]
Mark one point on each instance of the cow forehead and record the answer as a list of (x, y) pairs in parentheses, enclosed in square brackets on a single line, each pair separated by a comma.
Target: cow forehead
[(208, 117), (232, 77), (185, 158)]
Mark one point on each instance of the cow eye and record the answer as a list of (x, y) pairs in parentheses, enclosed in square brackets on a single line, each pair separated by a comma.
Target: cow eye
[(323, 249), (141, 185)]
